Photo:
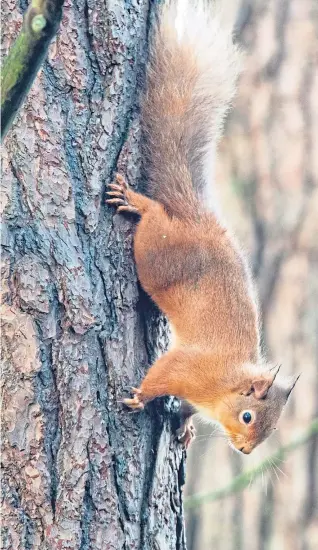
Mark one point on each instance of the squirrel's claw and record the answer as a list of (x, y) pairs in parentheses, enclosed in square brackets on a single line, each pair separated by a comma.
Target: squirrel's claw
[(119, 185), (119, 197), (118, 194), (135, 402), (115, 187), (116, 201), (121, 181), (128, 208)]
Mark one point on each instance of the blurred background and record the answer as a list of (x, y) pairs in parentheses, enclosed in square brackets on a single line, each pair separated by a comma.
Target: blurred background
[(267, 181)]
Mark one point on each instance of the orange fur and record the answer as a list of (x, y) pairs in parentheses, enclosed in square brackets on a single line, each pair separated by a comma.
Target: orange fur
[(186, 260)]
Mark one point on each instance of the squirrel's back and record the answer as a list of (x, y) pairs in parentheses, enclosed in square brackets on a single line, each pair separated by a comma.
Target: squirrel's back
[(191, 77)]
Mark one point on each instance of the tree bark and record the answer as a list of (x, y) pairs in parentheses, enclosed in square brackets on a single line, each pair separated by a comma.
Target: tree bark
[(80, 472), (268, 180)]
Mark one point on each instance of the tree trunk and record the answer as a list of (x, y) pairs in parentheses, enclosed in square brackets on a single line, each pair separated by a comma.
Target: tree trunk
[(268, 180), (80, 472)]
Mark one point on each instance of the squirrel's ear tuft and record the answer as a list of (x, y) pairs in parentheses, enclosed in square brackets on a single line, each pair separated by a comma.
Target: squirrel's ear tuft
[(274, 371), (292, 383)]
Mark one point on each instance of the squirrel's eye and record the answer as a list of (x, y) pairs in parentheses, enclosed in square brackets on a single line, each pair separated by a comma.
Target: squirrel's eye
[(247, 417)]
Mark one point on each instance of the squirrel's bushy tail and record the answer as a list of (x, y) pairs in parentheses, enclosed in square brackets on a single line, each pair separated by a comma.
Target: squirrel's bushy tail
[(191, 79)]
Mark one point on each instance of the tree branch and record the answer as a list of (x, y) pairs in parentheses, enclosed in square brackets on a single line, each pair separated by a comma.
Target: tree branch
[(243, 480), (26, 55)]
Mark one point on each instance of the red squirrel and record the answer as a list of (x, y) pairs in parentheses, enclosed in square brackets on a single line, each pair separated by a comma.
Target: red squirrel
[(186, 259)]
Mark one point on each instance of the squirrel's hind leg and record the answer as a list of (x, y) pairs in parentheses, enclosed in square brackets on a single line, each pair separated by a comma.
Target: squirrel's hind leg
[(126, 200)]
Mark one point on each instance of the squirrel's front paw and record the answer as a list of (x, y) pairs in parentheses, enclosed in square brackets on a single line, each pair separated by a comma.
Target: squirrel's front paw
[(120, 193), (185, 434), (135, 403)]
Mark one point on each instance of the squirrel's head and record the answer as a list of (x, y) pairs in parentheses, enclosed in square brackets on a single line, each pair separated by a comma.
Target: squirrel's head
[(250, 413)]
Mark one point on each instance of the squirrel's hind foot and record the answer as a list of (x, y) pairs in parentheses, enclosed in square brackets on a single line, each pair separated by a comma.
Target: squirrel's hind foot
[(127, 200), (121, 196)]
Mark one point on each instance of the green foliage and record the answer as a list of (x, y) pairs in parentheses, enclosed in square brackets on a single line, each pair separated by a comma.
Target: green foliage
[(26, 55)]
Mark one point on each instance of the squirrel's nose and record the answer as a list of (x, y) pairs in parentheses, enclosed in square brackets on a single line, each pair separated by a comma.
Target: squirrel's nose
[(244, 450)]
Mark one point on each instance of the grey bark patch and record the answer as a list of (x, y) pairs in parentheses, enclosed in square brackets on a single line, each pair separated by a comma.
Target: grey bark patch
[(79, 471)]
